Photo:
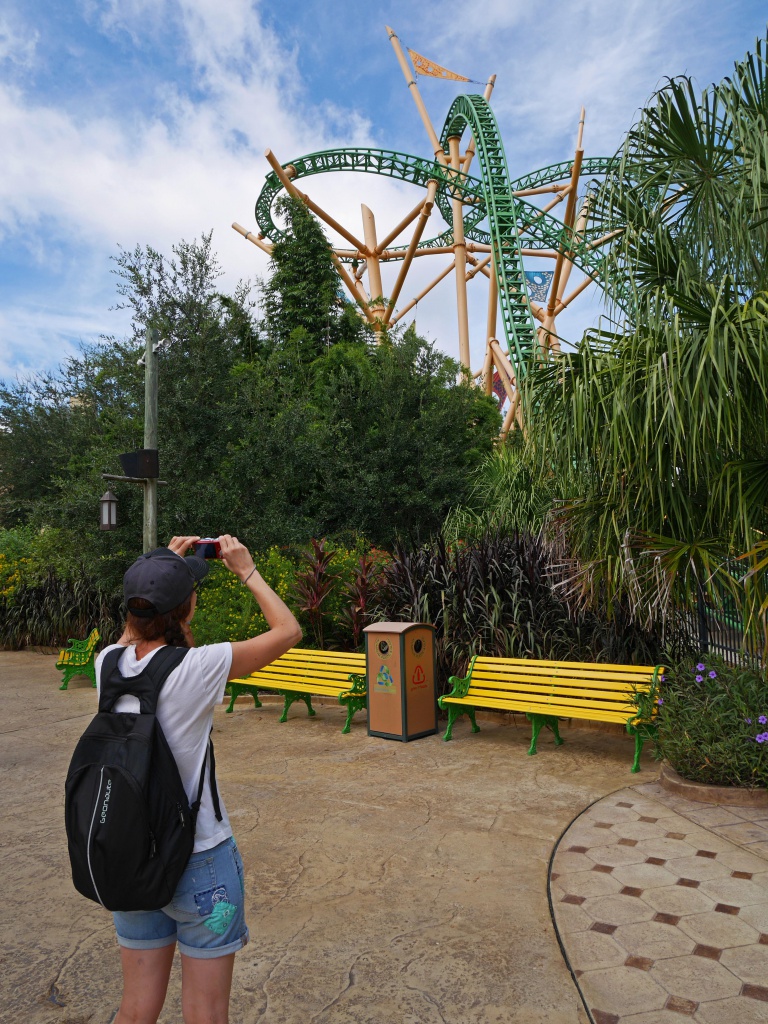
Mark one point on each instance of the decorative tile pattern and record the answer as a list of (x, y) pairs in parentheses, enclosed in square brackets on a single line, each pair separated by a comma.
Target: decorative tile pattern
[(662, 908)]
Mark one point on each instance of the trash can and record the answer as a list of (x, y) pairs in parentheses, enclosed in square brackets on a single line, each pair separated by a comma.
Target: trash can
[(400, 665)]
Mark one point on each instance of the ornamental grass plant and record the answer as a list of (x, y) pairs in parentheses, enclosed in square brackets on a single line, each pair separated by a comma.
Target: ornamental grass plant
[(713, 723)]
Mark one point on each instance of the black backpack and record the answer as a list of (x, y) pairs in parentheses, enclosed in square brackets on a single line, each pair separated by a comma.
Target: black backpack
[(130, 828)]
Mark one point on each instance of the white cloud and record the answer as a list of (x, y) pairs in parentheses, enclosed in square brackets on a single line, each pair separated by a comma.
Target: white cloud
[(85, 180)]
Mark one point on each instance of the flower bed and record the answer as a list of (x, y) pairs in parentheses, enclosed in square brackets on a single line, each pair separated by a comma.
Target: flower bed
[(713, 724)]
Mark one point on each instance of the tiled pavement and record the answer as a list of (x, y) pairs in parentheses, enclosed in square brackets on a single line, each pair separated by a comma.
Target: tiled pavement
[(662, 908)]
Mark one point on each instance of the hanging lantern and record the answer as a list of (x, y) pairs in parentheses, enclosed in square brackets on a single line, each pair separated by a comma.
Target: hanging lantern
[(108, 511)]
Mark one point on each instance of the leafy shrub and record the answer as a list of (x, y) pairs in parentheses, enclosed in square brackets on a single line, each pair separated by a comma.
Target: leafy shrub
[(492, 595), (226, 610), (711, 719)]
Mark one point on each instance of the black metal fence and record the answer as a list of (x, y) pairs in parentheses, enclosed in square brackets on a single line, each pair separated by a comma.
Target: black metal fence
[(720, 631)]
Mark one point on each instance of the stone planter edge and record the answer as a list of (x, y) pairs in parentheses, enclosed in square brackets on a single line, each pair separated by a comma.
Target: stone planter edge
[(702, 793)]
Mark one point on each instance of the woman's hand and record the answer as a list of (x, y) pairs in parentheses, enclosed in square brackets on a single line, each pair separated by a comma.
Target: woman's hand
[(235, 556), (180, 545)]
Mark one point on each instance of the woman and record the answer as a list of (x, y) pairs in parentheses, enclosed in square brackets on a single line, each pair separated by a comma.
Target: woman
[(206, 914)]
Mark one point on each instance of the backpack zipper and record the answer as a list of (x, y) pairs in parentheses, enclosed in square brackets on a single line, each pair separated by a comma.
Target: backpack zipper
[(90, 838)]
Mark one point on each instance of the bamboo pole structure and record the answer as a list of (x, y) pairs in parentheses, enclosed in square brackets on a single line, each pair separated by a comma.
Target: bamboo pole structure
[(408, 219), (570, 214), (581, 224), (424, 292), (414, 91), (541, 190), (352, 287), (375, 287), (330, 221), (255, 239), (501, 360), (513, 413), (564, 303), (417, 233), (478, 267), (490, 331), (460, 251)]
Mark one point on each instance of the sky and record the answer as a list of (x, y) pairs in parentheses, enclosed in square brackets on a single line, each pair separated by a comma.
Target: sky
[(129, 123)]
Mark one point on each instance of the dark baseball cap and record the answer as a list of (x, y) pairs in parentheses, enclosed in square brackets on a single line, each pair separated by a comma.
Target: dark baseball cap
[(163, 578)]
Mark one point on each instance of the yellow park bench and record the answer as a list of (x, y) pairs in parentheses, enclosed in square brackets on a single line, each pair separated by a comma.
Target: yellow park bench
[(546, 691), (79, 659), (300, 674)]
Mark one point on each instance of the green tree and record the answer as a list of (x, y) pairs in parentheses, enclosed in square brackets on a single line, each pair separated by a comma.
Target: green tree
[(305, 311)]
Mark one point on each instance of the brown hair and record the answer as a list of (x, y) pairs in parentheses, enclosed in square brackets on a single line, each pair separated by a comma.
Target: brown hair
[(160, 627)]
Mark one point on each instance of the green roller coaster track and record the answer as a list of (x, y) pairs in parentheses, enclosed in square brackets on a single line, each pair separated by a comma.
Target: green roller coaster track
[(513, 222)]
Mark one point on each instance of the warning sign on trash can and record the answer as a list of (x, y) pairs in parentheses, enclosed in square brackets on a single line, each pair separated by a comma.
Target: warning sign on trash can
[(401, 667)]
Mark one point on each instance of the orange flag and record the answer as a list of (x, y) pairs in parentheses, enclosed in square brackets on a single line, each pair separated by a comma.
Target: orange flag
[(432, 70)]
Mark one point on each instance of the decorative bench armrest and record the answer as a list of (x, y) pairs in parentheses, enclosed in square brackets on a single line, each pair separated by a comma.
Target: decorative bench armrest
[(359, 687), (460, 686)]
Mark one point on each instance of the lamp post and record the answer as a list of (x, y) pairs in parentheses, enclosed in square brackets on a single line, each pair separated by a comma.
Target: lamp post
[(150, 436), (142, 466)]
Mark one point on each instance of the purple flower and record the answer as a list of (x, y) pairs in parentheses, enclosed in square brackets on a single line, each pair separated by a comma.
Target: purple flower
[(700, 667), (663, 678), (713, 675), (748, 721), (762, 737), (699, 679), (762, 719), (659, 700)]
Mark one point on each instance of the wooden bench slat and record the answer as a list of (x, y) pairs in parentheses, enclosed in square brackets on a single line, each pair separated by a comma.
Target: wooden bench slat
[(520, 672), (583, 666), (559, 709), (309, 677), (546, 693), (549, 688)]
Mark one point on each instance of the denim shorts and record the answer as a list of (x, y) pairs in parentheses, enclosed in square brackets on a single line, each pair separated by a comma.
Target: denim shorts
[(205, 916)]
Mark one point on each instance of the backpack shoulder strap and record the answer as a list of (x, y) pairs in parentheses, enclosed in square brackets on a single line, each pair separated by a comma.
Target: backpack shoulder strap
[(145, 686)]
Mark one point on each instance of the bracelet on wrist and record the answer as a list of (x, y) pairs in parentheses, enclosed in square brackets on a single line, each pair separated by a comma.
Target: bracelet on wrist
[(253, 570)]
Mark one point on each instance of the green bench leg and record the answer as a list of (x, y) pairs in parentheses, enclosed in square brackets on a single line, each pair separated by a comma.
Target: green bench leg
[(291, 698), (78, 670), (235, 690), (354, 704), (537, 723), (642, 732), (454, 712)]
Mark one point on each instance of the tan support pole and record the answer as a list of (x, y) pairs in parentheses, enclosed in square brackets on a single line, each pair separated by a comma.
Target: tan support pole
[(570, 213), (581, 224), (502, 362), (424, 292), (512, 414), (290, 187), (541, 190), (418, 230), (400, 227), (490, 333), (250, 237), (374, 270), (341, 271), (414, 91), (460, 249), (576, 292)]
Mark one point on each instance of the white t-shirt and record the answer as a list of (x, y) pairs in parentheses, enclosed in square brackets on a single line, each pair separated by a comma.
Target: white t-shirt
[(185, 713)]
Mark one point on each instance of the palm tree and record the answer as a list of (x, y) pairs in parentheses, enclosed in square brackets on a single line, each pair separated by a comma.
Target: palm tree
[(654, 432)]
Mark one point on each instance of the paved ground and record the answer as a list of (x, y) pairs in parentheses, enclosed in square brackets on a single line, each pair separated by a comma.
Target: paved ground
[(662, 906), (386, 882)]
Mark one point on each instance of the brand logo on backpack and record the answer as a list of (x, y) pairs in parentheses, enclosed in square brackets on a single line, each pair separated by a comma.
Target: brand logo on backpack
[(107, 795)]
